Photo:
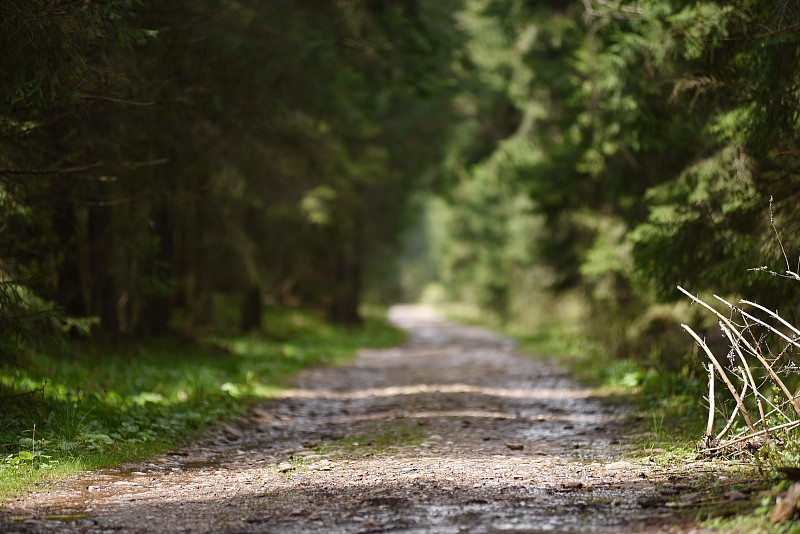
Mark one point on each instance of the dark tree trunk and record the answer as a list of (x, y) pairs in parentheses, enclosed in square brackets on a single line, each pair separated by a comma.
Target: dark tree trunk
[(68, 292), (348, 267), (250, 317), (104, 295), (158, 307)]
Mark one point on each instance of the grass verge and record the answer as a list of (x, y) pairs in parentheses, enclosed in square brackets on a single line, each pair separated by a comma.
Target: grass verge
[(101, 405)]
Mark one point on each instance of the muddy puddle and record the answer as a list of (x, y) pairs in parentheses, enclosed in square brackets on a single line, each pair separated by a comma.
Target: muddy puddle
[(451, 432)]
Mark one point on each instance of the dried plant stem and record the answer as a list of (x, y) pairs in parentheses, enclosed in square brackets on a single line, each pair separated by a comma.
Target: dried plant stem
[(750, 348), (775, 409), (731, 419), (722, 375), (748, 374), (729, 443), (757, 340), (778, 235), (710, 424), (773, 315), (759, 321)]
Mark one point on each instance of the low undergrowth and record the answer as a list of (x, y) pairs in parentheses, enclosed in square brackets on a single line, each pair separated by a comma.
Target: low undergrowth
[(101, 404)]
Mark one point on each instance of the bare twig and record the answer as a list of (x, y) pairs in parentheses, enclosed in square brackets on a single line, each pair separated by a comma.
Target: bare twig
[(116, 100), (710, 424), (723, 376), (753, 337), (147, 163), (731, 419), (785, 426), (63, 170), (787, 274), (774, 410), (777, 235), (752, 349), (747, 372), (126, 165), (759, 321), (772, 314)]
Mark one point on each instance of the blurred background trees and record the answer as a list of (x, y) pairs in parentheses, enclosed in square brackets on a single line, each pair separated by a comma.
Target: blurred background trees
[(616, 150), (539, 160), (154, 156)]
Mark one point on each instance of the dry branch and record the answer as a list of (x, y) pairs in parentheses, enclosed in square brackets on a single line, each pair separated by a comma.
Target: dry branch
[(764, 370), (748, 437), (63, 170), (772, 314), (754, 351), (723, 376), (731, 419), (748, 373), (710, 424), (759, 321)]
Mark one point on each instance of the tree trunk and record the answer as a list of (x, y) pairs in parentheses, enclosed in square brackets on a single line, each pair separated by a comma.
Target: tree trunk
[(104, 295), (68, 282), (348, 267), (250, 317), (158, 306)]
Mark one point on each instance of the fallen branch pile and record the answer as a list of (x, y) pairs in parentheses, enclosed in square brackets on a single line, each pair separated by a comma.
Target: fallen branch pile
[(754, 375)]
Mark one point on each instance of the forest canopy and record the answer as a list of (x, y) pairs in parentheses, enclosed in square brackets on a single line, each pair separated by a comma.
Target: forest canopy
[(610, 151), (526, 154)]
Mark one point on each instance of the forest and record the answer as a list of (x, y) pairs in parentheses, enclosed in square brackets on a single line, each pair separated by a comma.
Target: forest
[(559, 165), (514, 154)]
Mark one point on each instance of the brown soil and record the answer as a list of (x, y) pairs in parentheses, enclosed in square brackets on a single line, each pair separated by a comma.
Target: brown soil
[(451, 432)]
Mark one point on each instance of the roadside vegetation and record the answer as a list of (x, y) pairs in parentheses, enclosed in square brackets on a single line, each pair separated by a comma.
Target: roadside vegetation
[(96, 405)]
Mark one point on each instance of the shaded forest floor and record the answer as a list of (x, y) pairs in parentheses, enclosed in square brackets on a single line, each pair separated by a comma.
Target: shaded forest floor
[(450, 432)]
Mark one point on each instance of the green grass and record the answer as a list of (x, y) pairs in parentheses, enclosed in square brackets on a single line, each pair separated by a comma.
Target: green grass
[(101, 405)]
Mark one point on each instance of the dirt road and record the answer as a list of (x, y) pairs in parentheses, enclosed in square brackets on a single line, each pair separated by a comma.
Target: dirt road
[(451, 432)]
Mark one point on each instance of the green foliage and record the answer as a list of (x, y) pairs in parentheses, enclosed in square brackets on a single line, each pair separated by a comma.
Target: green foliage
[(27, 322), (608, 154), (46, 50), (153, 159), (782, 451)]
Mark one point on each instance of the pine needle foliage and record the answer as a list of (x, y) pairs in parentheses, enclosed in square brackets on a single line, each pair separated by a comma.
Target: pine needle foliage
[(655, 134)]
